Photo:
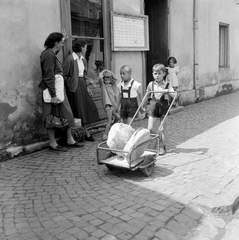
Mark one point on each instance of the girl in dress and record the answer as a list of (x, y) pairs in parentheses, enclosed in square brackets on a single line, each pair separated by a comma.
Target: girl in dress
[(172, 77), (110, 98)]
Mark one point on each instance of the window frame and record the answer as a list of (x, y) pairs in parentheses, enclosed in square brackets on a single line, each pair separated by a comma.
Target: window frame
[(66, 24), (224, 45)]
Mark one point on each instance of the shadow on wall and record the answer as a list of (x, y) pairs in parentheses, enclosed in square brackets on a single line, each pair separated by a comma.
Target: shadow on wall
[(224, 89)]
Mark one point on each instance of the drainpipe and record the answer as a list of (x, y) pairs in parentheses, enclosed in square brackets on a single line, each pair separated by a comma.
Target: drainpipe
[(195, 49)]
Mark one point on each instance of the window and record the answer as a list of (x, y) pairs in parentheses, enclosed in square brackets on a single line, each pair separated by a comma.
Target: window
[(223, 46), (87, 26)]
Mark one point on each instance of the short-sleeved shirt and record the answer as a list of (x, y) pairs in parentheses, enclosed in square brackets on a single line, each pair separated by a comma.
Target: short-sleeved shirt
[(158, 87), (134, 88)]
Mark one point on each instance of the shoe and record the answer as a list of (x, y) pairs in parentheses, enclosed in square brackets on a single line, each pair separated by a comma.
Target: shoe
[(58, 148), (162, 150), (76, 144), (90, 138), (105, 137)]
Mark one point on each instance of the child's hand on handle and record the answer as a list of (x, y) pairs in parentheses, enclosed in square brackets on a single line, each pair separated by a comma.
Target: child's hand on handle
[(165, 91)]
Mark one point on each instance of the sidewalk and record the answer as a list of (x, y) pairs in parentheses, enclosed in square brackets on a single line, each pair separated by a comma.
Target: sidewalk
[(190, 196)]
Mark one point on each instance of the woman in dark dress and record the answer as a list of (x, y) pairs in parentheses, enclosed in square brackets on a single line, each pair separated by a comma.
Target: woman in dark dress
[(51, 68), (79, 95)]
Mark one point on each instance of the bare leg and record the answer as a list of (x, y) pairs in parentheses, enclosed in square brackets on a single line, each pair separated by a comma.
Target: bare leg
[(128, 120), (151, 125), (108, 125), (161, 131), (116, 115), (70, 139), (51, 135), (86, 132)]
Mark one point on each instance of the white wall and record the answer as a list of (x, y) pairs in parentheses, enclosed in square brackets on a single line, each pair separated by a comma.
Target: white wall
[(181, 39), (25, 24), (211, 14), (206, 46)]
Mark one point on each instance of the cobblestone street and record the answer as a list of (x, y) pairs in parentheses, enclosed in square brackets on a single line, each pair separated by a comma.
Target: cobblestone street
[(191, 195)]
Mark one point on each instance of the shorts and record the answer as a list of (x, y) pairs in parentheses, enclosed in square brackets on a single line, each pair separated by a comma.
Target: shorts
[(156, 109), (129, 107)]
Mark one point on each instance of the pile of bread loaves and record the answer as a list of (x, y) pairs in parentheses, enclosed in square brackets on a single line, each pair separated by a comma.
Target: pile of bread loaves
[(123, 138)]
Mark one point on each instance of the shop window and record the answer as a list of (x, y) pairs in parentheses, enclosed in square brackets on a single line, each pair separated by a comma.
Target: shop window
[(87, 26), (223, 45)]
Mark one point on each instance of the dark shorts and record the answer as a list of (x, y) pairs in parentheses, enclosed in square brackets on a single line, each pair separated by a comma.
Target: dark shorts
[(156, 109), (129, 107)]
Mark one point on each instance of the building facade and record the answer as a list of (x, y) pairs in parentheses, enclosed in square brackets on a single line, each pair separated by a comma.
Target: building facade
[(202, 35)]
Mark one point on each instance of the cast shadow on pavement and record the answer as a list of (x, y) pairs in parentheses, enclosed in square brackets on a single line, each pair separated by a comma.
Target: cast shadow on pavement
[(199, 151), (138, 176), (76, 199)]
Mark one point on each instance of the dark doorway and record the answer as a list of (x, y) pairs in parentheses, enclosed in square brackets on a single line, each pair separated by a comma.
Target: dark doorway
[(157, 11)]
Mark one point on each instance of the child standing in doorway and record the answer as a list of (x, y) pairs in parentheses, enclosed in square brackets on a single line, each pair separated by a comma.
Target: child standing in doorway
[(110, 94), (172, 77), (130, 94), (158, 103)]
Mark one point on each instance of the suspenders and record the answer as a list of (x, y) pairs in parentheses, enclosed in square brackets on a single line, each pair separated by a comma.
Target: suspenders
[(166, 87), (126, 90)]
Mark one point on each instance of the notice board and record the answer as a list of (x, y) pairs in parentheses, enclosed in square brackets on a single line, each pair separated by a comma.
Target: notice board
[(129, 32)]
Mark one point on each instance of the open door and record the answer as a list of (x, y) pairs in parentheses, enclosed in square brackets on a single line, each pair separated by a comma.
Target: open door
[(157, 11)]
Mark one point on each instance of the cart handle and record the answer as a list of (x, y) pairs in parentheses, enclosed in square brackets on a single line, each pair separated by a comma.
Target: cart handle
[(143, 101)]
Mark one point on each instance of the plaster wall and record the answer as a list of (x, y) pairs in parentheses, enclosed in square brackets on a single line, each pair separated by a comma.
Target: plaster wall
[(209, 79), (211, 14), (181, 40), (134, 59), (25, 26)]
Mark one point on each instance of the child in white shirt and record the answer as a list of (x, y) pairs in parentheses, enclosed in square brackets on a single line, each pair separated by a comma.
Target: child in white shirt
[(130, 94)]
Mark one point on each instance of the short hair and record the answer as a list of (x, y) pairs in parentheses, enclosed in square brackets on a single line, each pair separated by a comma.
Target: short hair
[(81, 42), (52, 39), (76, 47), (158, 67), (172, 58), (126, 68)]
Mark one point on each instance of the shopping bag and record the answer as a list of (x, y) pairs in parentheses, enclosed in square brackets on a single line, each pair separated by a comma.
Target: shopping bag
[(59, 86)]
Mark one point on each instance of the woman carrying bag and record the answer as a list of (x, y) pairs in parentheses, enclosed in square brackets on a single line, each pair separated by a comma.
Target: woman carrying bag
[(51, 71)]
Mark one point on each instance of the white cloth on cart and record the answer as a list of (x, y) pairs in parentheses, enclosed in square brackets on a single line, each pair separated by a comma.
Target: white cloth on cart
[(139, 136), (118, 136)]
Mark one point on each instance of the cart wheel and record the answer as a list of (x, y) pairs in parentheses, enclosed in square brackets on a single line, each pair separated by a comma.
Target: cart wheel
[(148, 171), (110, 167)]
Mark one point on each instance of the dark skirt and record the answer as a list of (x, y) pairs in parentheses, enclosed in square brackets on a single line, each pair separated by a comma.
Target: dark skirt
[(82, 105), (60, 110)]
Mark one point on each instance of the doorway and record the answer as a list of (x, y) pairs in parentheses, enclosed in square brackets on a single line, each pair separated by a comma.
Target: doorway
[(157, 11)]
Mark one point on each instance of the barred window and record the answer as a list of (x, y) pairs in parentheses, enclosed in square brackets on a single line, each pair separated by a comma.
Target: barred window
[(223, 45)]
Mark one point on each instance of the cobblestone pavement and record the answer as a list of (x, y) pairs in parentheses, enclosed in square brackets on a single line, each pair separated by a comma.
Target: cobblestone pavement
[(190, 196)]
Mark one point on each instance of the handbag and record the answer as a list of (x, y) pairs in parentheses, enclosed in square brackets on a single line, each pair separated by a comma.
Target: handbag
[(59, 86), (54, 122)]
